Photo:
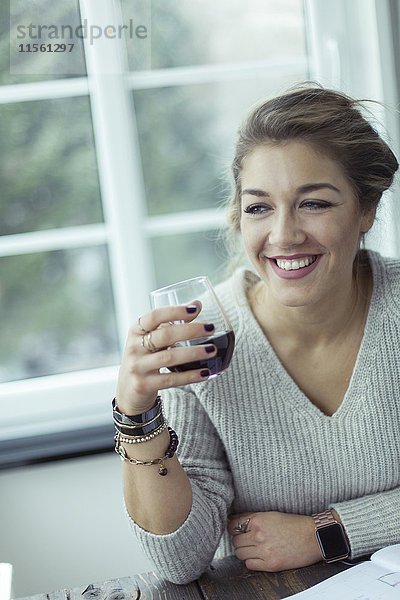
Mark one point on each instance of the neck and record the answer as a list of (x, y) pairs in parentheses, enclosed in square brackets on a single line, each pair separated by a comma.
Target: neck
[(314, 325)]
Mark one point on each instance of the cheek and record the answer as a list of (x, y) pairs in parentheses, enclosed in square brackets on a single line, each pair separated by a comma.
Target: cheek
[(253, 236), (337, 234)]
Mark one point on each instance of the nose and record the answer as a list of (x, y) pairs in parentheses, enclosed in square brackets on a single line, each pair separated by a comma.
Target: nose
[(285, 230)]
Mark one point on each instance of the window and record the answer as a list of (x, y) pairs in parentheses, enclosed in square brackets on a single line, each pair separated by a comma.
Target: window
[(210, 61)]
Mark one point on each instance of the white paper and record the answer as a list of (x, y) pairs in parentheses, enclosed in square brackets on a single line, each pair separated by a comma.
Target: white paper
[(388, 558), (375, 579)]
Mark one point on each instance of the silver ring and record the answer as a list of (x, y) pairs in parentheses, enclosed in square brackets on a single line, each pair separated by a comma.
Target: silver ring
[(242, 527), (147, 343)]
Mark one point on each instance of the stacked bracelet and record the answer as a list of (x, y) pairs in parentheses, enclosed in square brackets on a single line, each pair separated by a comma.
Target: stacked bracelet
[(162, 469), (139, 428), (146, 438)]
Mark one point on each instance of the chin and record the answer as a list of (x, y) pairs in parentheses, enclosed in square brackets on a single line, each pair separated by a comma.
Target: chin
[(294, 299)]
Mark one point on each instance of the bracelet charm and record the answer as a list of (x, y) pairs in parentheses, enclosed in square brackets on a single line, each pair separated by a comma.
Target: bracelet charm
[(162, 469)]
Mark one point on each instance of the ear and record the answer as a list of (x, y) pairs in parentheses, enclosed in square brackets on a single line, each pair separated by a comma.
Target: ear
[(367, 220)]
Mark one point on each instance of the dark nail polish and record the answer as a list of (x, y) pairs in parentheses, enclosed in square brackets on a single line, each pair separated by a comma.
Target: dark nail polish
[(209, 327), (210, 349), (191, 309), (204, 373)]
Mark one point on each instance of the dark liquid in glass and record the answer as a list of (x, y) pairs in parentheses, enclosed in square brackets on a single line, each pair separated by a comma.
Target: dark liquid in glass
[(225, 343)]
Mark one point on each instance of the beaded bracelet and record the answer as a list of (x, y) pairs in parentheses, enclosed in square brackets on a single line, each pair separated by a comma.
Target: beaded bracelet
[(162, 469)]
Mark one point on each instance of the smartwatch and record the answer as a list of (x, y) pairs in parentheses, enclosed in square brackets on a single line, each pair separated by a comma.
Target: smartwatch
[(330, 537)]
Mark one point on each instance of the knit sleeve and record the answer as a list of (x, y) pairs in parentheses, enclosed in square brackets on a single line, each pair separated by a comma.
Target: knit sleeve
[(371, 522), (183, 555)]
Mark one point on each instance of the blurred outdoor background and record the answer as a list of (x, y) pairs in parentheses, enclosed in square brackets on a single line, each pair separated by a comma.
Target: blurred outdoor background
[(113, 182)]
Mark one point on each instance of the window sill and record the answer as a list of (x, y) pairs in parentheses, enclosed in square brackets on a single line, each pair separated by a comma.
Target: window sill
[(56, 446)]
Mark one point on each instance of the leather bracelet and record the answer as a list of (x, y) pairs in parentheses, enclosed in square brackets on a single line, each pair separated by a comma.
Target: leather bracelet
[(120, 423), (140, 432), (140, 419)]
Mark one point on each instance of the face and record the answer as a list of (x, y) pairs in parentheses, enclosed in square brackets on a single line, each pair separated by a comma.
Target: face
[(300, 222)]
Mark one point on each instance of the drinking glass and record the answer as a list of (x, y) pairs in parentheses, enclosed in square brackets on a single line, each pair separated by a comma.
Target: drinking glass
[(186, 292)]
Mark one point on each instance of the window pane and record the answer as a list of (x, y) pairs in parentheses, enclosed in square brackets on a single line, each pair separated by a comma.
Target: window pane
[(48, 170), (220, 31), (178, 257), (38, 66), (187, 135), (57, 313)]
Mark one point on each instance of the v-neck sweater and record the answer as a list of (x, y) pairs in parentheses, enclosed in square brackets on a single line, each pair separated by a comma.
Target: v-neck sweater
[(251, 440)]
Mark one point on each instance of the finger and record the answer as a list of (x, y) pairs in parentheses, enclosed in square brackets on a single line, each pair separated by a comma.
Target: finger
[(166, 314), (243, 540), (163, 337), (247, 553), (236, 534), (171, 357), (255, 564), (233, 523), (163, 381)]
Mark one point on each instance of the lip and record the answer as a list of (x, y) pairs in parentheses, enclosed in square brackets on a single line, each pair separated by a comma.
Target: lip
[(294, 273)]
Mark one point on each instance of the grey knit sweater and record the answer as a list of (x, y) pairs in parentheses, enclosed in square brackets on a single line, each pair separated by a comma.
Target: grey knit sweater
[(250, 440)]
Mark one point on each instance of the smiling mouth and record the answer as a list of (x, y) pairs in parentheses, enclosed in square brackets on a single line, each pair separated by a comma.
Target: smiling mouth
[(298, 263)]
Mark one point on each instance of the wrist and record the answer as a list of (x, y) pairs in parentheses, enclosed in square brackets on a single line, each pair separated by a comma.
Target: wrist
[(314, 546), (127, 410), (331, 536)]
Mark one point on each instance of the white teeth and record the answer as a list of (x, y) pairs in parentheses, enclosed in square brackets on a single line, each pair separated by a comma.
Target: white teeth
[(290, 265)]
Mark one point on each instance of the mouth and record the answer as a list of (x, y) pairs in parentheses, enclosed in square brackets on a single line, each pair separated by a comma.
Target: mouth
[(295, 267), (295, 264)]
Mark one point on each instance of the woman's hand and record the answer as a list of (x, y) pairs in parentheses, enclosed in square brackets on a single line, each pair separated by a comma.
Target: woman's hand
[(275, 541), (149, 347)]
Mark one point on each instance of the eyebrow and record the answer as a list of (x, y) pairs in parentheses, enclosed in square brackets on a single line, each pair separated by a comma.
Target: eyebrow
[(303, 189)]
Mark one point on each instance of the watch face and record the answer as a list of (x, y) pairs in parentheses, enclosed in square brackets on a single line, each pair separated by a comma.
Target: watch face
[(332, 541)]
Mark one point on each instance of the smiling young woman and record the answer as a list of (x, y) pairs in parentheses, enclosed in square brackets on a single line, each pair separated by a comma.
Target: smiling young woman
[(298, 441)]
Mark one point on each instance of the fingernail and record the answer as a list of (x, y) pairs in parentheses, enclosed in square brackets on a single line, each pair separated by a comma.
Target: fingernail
[(205, 373), (209, 327), (191, 309), (210, 349)]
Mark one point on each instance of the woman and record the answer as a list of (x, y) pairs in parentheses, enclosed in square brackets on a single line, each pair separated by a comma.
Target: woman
[(302, 430)]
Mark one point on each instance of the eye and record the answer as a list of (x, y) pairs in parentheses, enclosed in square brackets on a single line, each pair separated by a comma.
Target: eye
[(316, 204), (256, 209)]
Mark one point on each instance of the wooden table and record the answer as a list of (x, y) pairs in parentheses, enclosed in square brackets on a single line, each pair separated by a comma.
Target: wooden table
[(226, 579)]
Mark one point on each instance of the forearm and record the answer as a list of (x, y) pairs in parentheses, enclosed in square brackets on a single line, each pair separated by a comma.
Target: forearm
[(157, 504)]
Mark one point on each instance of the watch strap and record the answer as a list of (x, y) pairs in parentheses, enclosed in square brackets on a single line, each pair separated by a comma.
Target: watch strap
[(324, 518)]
